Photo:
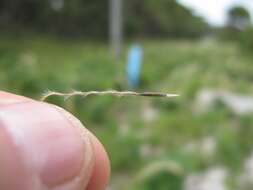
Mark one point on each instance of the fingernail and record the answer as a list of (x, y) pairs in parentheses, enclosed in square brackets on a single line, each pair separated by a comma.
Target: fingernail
[(53, 147)]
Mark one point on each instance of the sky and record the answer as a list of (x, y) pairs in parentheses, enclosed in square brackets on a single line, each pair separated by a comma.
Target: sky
[(214, 11)]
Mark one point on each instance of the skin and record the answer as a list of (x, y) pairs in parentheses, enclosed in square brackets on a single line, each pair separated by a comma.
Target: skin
[(43, 147)]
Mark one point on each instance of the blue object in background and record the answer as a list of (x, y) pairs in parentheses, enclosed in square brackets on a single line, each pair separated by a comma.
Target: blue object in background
[(134, 61)]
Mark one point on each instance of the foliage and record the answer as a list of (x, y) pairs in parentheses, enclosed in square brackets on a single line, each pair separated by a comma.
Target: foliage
[(238, 28), (238, 18), (246, 39), (243, 38), (163, 18), (75, 17), (162, 181), (89, 18), (238, 11)]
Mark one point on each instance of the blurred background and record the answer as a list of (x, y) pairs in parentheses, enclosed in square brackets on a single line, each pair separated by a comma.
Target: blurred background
[(202, 50)]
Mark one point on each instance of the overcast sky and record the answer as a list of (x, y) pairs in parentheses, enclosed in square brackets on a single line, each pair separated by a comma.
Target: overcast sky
[(214, 11)]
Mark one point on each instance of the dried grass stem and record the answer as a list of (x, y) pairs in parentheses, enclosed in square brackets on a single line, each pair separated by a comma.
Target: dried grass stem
[(107, 93)]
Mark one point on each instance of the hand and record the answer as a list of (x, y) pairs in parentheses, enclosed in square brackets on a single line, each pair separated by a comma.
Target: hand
[(43, 147)]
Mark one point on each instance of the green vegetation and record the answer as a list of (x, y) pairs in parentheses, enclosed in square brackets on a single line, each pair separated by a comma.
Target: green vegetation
[(29, 66), (238, 28), (238, 12), (162, 18), (90, 18)]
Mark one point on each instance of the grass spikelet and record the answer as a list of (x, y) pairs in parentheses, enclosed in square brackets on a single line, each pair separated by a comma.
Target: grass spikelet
[(106, 93)]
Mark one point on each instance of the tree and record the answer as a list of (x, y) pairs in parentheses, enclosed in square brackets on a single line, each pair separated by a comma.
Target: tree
[(89, 18), (162, 18), (238, 18)]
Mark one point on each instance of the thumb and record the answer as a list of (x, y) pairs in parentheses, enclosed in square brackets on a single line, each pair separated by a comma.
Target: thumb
[(43, 147)]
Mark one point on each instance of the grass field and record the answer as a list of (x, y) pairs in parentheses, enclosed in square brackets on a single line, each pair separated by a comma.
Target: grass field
[(138, 133)]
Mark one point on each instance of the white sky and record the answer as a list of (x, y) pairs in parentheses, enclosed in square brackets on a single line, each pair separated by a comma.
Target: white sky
[(214, 11)]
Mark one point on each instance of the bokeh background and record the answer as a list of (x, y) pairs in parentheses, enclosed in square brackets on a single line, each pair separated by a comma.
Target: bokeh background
[(202, 50)]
